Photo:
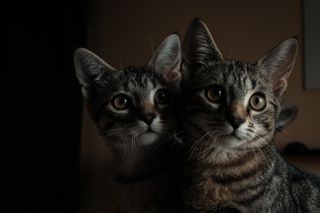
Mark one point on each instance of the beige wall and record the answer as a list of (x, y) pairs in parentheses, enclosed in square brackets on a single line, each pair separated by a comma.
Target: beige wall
[(125, 33)]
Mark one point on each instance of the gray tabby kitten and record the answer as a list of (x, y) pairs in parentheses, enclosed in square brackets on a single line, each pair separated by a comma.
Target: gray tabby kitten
[(230, 110), (135, 110)]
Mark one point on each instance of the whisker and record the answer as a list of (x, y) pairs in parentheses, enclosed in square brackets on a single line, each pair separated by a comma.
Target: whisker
[(134, 144), (207, 149), (285, 132), (196, 144), (167, 139), (259, 149)]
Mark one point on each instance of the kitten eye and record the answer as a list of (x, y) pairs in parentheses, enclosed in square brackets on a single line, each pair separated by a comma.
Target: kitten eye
[(121, 102), (214, 93), (257, 102), (162, 97)]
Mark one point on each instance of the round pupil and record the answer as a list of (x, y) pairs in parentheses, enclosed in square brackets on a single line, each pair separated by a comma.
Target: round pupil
[(214, 93), (217, 92), (121, 102), (162, 97)]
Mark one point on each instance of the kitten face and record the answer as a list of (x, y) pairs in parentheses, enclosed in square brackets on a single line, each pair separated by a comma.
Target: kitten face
[(134, 105), (232, 105)]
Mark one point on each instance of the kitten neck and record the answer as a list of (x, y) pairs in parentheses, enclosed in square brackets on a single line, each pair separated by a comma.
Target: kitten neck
[(144, 161), (214, 153)]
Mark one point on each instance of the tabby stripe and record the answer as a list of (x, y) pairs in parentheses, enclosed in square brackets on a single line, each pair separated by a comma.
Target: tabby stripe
[(253, 83), (228, 179), (252, 197), (225, 179), (244, 81), (266, 125)]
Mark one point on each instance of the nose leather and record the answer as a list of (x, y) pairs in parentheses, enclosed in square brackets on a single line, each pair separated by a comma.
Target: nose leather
[(148, 117), (236, 115), (235, 121)]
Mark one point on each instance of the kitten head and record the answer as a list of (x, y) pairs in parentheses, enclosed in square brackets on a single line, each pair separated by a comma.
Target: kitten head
[(231, 104), (134, 104)]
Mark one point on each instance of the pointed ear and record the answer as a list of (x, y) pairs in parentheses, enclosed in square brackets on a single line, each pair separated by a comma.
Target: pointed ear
[(199, 46), (277, 64), (89, 68), (167, 59)]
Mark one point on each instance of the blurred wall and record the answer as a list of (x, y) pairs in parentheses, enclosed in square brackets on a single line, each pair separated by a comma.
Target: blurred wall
[(126, 32)]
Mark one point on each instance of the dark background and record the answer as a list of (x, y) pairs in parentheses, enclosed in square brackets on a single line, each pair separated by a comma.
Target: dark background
[(42, 106)]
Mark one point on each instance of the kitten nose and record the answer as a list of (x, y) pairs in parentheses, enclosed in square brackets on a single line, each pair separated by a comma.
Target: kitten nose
[(235, 121), (148, 118)]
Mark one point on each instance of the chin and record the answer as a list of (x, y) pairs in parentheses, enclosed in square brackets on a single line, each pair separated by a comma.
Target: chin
[(148, 138), (229, 142)]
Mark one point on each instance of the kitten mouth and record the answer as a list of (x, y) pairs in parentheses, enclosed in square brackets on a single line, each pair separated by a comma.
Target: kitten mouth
[(148, 137), (149, 131), (232, 134)]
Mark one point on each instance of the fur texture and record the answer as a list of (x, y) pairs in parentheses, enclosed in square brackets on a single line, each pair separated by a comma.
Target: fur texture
[(231, 108), (135, 110)]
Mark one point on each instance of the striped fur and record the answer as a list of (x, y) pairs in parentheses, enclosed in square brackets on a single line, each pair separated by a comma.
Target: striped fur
[(233, 165), (138, 124)]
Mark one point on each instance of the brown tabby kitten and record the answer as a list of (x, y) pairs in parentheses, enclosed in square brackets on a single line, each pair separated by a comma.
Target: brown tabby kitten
[(135, 111), (230, 112)]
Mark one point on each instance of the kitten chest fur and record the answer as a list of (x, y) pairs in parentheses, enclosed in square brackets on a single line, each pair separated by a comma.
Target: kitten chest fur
[(221, 182)]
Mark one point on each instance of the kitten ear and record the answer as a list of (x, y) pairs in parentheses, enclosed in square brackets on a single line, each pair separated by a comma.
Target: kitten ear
[(199, 46), (167, 59), (89, 68), (278, 63)]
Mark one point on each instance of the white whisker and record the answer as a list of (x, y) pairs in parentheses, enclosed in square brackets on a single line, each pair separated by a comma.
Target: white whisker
[(196, 144), (285, 132)]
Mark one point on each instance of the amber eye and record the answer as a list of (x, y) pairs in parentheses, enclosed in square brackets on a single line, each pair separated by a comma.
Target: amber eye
[(257, 102), (214, 93), (162, 97), (121, 102)]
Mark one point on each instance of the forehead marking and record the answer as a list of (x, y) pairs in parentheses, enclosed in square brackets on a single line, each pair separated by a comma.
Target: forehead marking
[(132, 83), (149, 84)]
